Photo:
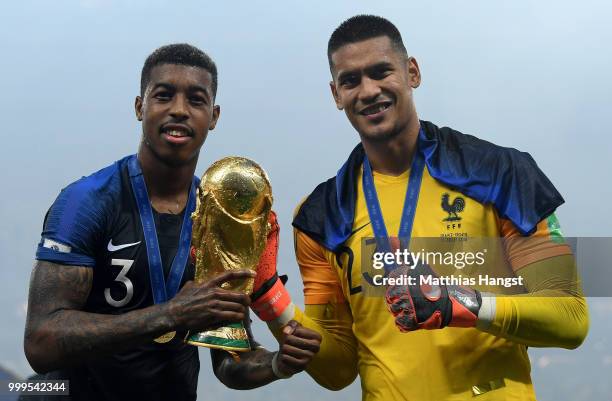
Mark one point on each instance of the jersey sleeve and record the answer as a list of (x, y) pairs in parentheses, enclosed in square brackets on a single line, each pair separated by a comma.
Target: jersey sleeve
[(75, 223), (321, 285), (546, 242), (553, 312), (326, 312)]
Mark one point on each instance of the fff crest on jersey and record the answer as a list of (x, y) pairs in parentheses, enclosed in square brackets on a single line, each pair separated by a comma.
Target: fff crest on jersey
[(452, 208)]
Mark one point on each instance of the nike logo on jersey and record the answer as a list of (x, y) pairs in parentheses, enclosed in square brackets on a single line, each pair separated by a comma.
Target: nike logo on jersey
[(114, 248)]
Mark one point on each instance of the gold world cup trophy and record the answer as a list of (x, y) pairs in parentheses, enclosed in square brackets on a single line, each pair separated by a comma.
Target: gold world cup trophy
[(230, 229)]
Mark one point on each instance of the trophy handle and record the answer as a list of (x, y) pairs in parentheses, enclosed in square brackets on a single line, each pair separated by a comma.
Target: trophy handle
[(232, 337)]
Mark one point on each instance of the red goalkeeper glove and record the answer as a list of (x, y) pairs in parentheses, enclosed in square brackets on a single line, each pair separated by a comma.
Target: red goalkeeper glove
[(424, 306), (269, 298)]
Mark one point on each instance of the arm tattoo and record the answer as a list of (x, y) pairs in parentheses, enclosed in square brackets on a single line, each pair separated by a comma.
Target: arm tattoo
[(59, 333)]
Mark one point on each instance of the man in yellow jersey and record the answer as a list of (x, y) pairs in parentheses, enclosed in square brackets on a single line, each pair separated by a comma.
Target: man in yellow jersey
[(410, 179)]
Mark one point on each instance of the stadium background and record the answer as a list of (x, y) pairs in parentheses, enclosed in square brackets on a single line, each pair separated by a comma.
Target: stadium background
[(531, 75)]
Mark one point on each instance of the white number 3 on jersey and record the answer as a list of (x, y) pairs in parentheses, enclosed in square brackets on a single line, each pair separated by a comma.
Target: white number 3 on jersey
[(121, 277)]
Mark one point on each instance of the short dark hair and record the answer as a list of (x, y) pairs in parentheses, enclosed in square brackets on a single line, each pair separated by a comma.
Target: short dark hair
[(363, 27), (182, 54)]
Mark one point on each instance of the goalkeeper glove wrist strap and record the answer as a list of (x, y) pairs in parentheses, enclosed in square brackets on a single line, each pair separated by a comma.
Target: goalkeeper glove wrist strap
[(271, 300)]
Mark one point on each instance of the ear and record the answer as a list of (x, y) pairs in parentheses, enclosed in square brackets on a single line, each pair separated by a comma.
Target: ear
[(334, 91), (414, 72), (215, 117), (138, 108)]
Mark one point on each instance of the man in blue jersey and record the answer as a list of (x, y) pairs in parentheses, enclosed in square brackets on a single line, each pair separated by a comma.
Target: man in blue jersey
[(111, 294)]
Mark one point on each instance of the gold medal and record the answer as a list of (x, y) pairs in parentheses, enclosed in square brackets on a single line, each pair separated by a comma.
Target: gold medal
[(165, 338)]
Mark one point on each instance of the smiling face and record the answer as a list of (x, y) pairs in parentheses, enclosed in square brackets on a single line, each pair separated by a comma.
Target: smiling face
[(372, 83), (177, 110)]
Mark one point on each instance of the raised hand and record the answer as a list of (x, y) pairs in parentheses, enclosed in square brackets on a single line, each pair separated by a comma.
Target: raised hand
[(270, 298), (200, 307), (424, 306), (297, 348)]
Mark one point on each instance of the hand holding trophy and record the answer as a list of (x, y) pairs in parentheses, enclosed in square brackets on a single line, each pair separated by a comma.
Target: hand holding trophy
[(230, 227)]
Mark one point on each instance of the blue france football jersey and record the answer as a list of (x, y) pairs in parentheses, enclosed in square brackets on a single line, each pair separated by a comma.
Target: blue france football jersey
[(94, 222)]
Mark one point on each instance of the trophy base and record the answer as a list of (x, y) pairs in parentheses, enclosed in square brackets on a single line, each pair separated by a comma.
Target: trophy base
[(232, 337)]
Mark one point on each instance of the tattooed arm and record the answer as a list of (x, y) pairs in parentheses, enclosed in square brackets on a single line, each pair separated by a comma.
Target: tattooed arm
[(59, 334), (255, 368)]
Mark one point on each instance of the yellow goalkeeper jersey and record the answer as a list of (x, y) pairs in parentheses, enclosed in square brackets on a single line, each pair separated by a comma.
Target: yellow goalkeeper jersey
[(444, 364)]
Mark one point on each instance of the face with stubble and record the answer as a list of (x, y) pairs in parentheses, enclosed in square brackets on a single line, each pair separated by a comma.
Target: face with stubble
[(177, 110), (373, 83)]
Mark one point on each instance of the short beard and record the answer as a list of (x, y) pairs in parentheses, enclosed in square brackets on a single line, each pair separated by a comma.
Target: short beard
[(380, 138)]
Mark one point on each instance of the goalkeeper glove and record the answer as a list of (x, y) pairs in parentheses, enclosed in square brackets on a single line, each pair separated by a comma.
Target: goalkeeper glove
[(424, 306), (270, 298)]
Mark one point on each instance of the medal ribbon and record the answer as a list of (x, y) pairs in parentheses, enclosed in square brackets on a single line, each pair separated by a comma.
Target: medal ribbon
[(374, 211), (162, 292)]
